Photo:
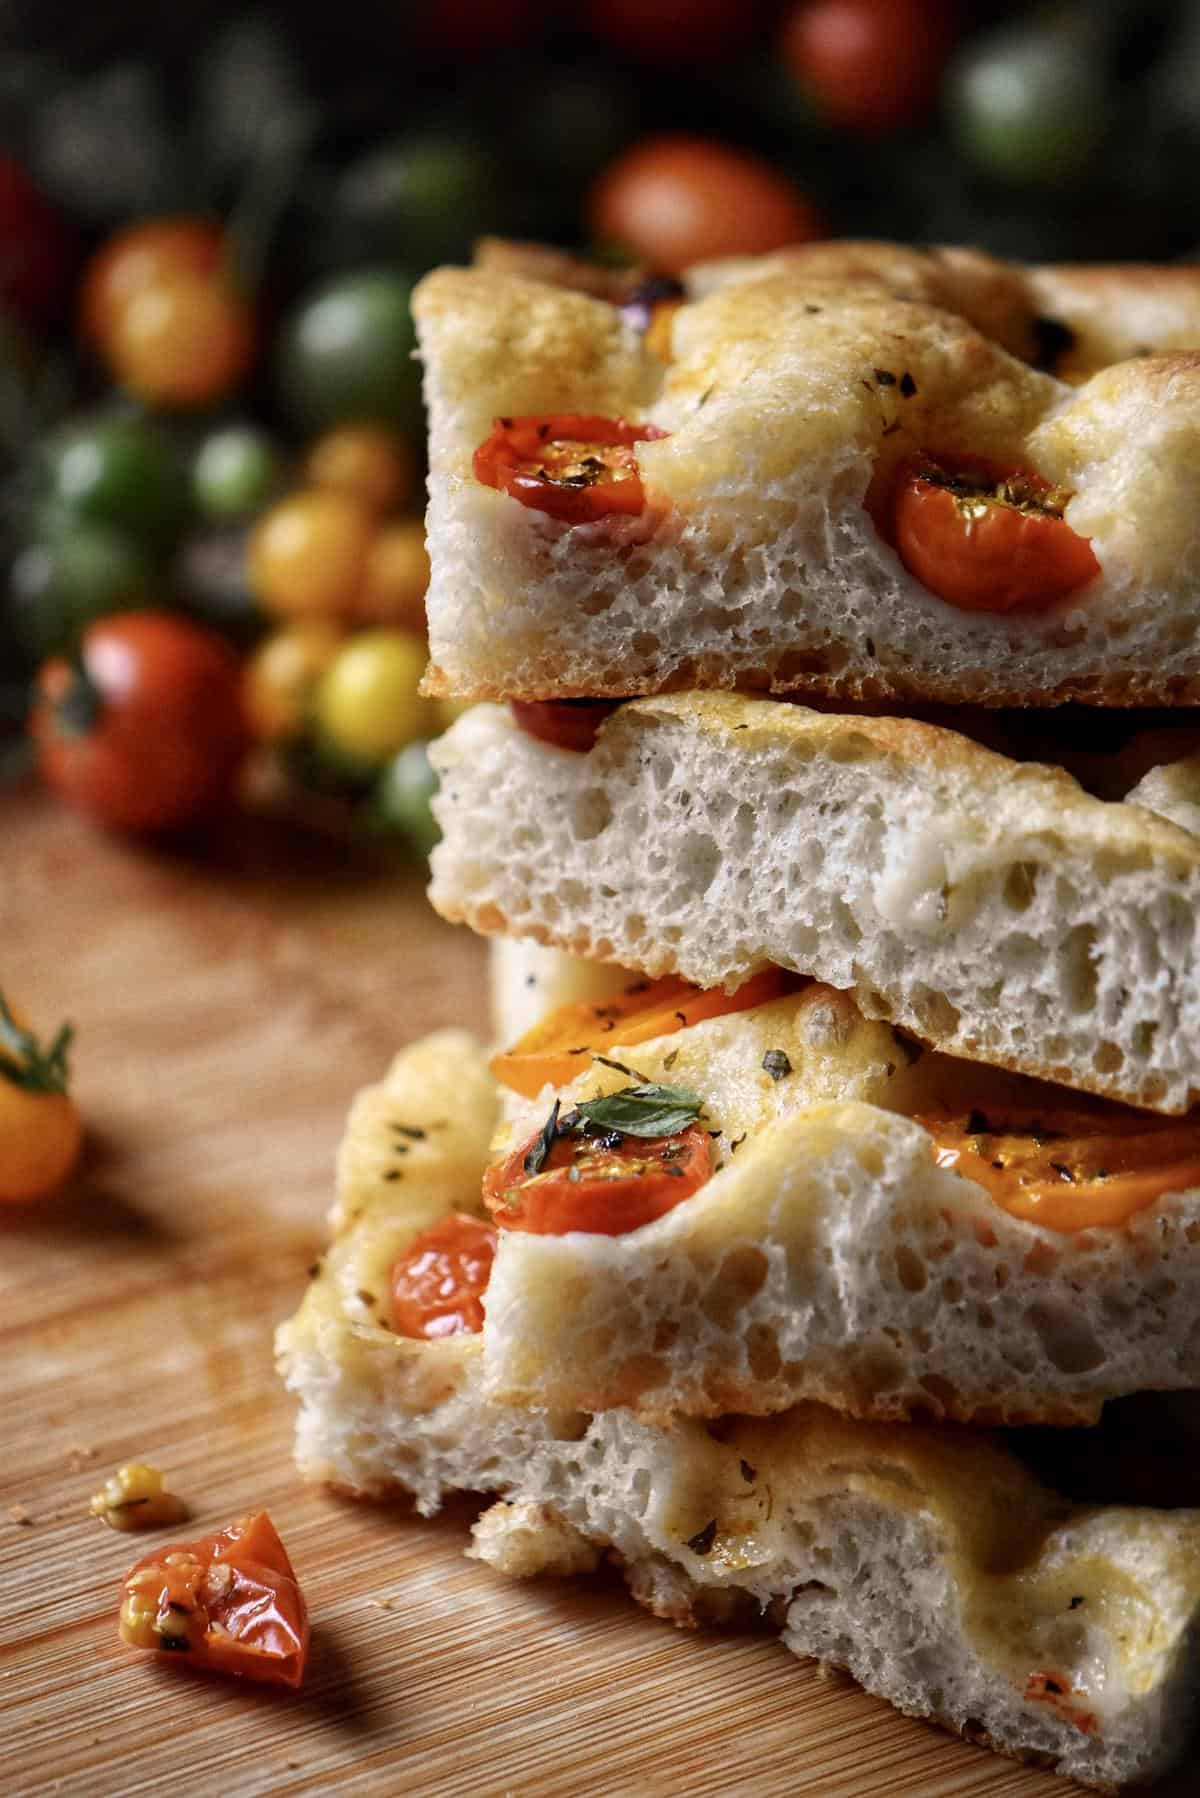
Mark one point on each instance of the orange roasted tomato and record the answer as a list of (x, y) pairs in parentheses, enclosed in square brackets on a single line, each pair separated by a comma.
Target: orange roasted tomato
[(1072, 1166), (571, 465), (606, 1184), (566, 723), (986, 539), (230, 1603), (558, 1047), (439, 1282)]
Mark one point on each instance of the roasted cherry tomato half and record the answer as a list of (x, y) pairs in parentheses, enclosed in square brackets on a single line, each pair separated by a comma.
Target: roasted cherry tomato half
[(570, 465), (556, 1049), (986, 539), (439, 1282), (40, 1129), (230, 1602), (147, 730), (1070, 1167), (586, 1184), (566, 723)]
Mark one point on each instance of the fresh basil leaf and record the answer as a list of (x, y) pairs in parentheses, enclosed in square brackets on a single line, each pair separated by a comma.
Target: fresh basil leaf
[(649, 1110), (535, 1159)]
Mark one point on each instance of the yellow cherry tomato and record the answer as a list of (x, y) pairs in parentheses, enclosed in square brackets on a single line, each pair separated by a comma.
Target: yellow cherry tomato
[(366, 703), (40, 1128), (184, 341), (366, 462), (281, 677), (308, 554), (395, 578)]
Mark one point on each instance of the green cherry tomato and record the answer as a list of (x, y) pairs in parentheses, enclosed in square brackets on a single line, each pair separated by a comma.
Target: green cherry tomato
[(346, 354), (57, 589), (1029, 107), (236, 472), (366, 705), (401, 801), (424, 198), (122, 473)]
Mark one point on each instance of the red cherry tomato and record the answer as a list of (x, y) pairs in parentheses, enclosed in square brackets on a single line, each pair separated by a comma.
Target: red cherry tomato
[(674, 30), (988, 540), (470, 26), (140, 259), (34, 249), (585, 1185), (566, 723), (872, 65), (230, 1602), (439, 1282), (570, 465), (149, 731), (673, 201)]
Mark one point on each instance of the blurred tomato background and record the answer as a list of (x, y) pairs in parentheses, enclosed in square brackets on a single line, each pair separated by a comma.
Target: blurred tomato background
[(211, 437)]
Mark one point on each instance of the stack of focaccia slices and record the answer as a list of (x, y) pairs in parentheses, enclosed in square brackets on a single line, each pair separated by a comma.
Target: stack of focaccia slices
[(804, 1247), (930, 1561)]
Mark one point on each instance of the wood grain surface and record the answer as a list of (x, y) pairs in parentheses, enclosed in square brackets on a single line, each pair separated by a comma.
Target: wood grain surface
[(228, 1004)]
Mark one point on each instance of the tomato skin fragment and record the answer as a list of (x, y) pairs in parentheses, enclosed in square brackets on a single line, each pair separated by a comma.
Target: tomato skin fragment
[(595, 1186), (981, 551), (575, 467), (564, 723), (438, 1284), (230, 1602)]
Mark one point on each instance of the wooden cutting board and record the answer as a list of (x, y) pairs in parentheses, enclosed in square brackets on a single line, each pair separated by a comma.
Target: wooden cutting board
[(228, 1004)]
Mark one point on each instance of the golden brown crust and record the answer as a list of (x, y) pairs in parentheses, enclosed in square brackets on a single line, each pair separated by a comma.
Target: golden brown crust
[(1117, 310), (523, 346), (557, 268)]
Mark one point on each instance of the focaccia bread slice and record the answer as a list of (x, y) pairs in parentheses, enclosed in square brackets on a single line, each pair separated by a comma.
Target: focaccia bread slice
[(830, 1256), (991, 907), (928, 1562), (791, 398), (381, 1412)]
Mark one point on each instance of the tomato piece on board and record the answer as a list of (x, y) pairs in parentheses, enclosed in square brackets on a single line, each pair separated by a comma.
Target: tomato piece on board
[(148, 730), (574, 466), (1070, 1167), (557, 1048), (986, 539), (565, 723), (439, 1282), (230, 1602), (605, 1184)]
